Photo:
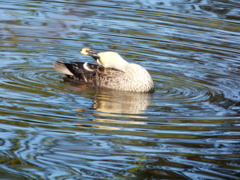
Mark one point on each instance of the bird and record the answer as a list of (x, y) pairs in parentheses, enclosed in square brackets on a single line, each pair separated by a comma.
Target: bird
[(111, 71)]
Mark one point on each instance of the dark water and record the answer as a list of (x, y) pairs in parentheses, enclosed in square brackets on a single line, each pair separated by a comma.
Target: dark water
[(187, 129)]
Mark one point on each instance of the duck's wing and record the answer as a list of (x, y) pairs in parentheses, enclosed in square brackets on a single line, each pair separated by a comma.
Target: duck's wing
[(76, 70)]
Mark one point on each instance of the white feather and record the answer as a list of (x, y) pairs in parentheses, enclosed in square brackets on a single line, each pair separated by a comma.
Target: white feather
[(85, 65)]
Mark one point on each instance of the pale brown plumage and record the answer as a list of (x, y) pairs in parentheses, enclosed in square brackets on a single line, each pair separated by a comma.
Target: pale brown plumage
[(112, 72)]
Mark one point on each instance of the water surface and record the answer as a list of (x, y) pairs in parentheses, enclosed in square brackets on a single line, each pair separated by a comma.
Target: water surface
[(187, 129)]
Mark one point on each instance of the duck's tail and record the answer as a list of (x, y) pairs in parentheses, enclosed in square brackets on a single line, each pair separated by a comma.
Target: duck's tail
[(63, 68)]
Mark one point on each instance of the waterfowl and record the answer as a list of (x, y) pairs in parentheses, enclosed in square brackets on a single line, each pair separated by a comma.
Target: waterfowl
[(111, 72)]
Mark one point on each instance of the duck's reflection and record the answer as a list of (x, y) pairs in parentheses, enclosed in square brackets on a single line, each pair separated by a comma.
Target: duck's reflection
[(110, 105), (112, 101)]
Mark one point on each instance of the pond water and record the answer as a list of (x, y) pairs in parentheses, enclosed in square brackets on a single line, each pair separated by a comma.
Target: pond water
[(187, 129)]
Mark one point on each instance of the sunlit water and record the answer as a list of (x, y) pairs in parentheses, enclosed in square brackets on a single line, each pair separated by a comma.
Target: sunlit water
[(187, 129)]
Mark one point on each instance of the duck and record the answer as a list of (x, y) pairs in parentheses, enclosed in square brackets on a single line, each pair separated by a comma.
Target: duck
[(111, 71)]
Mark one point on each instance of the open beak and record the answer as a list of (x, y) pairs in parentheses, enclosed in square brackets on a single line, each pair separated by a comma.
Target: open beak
[(90, 52)]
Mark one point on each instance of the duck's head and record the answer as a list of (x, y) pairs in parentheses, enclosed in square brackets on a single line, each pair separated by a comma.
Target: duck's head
[(107, 59)]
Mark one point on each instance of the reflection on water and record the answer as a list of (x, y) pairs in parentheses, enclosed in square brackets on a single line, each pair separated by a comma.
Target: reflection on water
[(116, 104), (187, 129), (114, 101), (121, 102)]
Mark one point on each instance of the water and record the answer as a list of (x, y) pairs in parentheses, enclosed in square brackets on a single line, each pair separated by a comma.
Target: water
[(187, 129)]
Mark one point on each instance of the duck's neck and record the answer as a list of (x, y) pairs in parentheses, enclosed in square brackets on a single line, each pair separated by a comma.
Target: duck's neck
[(121, 65)]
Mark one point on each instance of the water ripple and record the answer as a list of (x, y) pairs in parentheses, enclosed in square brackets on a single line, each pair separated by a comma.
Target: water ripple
[(52, 128)]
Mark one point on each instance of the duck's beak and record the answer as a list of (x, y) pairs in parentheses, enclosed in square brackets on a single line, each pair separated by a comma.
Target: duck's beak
[(90, 52)]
